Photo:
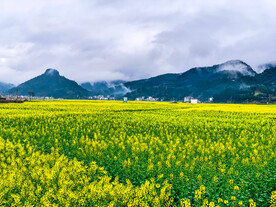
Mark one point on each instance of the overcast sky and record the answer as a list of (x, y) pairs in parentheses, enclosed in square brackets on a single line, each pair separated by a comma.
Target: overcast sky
[(91, 40)]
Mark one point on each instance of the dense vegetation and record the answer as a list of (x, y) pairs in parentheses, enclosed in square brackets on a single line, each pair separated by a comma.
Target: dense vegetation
[(51, 84), (83, 153), (235, 86)]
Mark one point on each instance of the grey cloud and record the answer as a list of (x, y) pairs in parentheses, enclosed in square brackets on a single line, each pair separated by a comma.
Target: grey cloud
[(122, 39)]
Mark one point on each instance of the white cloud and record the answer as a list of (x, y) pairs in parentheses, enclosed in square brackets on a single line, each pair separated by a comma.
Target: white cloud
[(122, 39)]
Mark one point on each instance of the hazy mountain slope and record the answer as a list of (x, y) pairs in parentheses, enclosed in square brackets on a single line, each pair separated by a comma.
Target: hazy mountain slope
[(233, 81), (202, 82), (267, 77), (4, 87), (113, 88)]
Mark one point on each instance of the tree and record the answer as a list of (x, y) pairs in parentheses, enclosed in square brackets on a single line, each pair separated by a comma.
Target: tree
[(31, 94)]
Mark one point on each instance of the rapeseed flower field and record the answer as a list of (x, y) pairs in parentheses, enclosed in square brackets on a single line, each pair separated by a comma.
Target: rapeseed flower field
[(96, 153)]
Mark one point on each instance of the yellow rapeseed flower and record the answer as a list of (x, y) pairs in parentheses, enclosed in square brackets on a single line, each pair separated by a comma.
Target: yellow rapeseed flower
[(233, 198), (198, 194), (220, 200), (202, 189), (236, 187), (273, 197), (211, 204)]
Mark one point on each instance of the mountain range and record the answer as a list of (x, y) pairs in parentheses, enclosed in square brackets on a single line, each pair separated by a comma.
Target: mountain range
[(232, 81)]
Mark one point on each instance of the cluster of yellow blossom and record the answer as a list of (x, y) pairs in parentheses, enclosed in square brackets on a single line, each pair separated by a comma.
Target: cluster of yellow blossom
[(29, 177), (273, 199), (99, 153)]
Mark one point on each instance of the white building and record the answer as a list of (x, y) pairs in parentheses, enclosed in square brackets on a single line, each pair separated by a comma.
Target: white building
[(187, 99), (194, 101)]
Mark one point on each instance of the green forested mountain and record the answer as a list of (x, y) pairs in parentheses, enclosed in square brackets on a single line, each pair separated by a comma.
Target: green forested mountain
[(232, 81), (52, 84)]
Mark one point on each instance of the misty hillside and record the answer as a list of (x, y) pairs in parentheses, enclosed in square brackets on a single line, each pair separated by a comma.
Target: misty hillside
[(113, 88), (4, 87), (230, 81)]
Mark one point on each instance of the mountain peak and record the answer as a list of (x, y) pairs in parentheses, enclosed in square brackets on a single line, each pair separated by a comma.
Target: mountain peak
[(51, 72), (237, 66), (51, 84), (234, 62)]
